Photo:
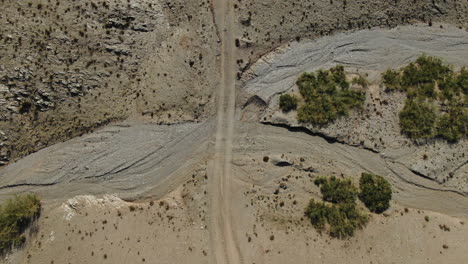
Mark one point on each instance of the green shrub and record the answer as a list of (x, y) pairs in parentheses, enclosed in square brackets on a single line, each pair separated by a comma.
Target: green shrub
[(432, 69), (462, 80), (349, 99), (425, 70), (454, 86), (337, 191), (318, 213), (327, 96), (341, 216), (417, 119), (375, 193), (360, 81), (339, 77), (418, 78), (426, 90), (15, 215), (453, 125), (345, 219), (288, 102), (318, 112), (449, 88), (342, 219), (391, 79)]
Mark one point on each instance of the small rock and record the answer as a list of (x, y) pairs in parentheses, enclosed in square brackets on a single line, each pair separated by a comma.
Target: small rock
[(118, 50), (3, 89)]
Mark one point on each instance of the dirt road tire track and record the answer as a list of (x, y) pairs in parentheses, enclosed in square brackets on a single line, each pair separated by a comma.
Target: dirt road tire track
[(223, 242)]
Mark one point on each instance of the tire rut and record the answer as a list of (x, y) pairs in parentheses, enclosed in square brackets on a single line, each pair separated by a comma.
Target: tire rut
[(223, 242)]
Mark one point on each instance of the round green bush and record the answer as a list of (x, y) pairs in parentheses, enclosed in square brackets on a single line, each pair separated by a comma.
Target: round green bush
[(376, 192)]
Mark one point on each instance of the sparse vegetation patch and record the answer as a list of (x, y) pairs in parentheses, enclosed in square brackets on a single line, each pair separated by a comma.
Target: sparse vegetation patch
[(436, 105), (340, 217), (15, 215), (338, 213), (336, 191), (288, 102), (417, 119), (326, 95)]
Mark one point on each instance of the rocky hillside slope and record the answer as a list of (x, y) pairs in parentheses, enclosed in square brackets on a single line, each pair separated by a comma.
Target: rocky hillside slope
[(70, 66), (265, 25)]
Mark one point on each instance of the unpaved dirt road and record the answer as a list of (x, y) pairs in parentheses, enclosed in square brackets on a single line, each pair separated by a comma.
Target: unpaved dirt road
[(223, 242), (147, 160)]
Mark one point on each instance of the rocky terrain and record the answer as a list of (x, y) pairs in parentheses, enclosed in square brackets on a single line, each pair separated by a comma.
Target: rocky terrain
[(68, 67), (152, 133), (72, 67), (266, 25)]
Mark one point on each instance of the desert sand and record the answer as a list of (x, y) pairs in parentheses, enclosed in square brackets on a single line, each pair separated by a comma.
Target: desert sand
[(198, 165)]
